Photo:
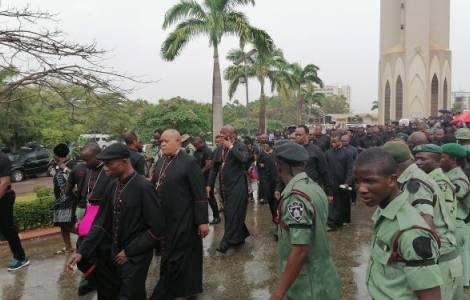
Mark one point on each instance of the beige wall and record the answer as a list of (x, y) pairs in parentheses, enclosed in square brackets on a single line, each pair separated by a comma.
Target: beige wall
[(415, 54)]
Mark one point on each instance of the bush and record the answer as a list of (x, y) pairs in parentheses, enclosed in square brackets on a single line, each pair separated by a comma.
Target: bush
[(35, 213)]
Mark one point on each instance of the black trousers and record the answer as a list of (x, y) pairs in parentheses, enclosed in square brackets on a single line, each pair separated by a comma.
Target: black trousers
[(8, 227), (213, 204), (340, 211)]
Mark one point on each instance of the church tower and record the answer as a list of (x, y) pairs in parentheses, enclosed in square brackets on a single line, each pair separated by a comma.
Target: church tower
[(415, 59)]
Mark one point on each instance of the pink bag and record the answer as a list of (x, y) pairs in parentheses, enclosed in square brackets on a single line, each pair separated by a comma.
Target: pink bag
[(83, 228)]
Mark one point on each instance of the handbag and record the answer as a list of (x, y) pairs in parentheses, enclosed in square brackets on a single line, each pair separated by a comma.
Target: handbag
[(85, 224)]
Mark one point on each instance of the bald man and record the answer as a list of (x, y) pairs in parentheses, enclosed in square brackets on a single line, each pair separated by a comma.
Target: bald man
[(180, 183), (417, 138), (234, 187)]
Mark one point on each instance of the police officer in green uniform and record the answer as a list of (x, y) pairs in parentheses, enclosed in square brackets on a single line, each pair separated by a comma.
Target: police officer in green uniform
[(420, 189), (463, 136), (404, 249), (452, 160), (428, 159), (307, 270)]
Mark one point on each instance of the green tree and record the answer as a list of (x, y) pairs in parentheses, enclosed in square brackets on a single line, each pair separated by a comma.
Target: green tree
[(214, 19), (375, 105), (335, 105), (302, 79), (264, 66)]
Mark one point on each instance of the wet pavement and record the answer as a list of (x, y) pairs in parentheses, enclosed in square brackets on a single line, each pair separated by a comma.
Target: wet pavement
[(247, 272)]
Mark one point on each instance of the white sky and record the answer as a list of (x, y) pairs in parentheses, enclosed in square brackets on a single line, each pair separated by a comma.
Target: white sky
[(340, 36)]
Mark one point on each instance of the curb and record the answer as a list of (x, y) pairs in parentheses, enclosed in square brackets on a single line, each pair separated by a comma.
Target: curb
[(36, 233)]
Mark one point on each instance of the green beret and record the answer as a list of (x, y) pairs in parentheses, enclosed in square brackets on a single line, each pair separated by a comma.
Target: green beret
[(463, 134), (453, 149), (467, 149), (291, 152), (398, 150), (427, 148), (402, 136)]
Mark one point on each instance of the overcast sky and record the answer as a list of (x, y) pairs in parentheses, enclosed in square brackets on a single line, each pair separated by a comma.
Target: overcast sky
[(340, 36)]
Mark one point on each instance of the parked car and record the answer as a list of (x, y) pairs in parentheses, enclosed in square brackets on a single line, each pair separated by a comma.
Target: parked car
[(29, 162), (103, 140)]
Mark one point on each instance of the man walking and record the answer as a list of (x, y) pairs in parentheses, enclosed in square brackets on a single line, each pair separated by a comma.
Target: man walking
[(179, 183), (234, 188), (7, 225)]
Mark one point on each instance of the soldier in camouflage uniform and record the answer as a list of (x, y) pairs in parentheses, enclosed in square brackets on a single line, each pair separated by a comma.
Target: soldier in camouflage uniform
[(445, 211), (404, 250), (452, 161), (306, 266)]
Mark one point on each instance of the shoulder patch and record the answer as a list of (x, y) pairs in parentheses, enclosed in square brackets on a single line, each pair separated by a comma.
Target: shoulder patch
[(422, 247), (412, 186), (296, 210)]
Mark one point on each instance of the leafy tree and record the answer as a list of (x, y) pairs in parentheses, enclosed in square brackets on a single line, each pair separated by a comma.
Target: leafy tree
[(303, 81), (375, 105), (214, 19), (264, 66), (335, 105)]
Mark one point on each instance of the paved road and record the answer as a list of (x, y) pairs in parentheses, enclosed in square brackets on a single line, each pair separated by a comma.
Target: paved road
[(28, 185), (249, 272)]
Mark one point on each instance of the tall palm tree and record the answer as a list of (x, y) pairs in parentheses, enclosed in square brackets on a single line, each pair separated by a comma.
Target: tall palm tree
[(213, 19), (264, 66), (303, 76)]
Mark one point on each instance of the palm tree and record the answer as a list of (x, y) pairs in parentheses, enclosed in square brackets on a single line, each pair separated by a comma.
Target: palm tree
[(375, 105), (303, 76), (264, 66), (214, 19)]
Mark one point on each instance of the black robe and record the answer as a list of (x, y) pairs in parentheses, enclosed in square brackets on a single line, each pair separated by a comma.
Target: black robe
[(268, 179), (317, 167), (180, 188), (234, 191), (130, 220), (341, 163), (137, 161)]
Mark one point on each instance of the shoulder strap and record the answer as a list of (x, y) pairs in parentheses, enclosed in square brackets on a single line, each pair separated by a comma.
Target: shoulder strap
[(464, 179), (396, 257), (434, 194)]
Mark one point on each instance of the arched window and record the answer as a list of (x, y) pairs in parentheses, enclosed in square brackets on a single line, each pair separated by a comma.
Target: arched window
[(399, 99), (387, 103), (434, 96), (444, 92)]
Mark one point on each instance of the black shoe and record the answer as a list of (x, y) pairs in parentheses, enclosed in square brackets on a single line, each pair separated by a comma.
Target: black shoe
[(216, 220), (85, 287), (222, 249)]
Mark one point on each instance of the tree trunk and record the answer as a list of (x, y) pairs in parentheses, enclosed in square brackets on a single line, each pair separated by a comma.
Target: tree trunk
[(217, 109), (262, 110), (299, 107)]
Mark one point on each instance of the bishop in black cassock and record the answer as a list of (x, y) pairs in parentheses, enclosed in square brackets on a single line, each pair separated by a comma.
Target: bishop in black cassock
[(180, 184)]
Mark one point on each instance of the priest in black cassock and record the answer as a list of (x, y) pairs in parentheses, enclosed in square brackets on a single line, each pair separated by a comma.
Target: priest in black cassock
[(129, 225), (234, 188), (179, 183)]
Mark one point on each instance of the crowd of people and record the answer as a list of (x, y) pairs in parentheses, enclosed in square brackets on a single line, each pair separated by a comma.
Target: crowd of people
[(125, 213)]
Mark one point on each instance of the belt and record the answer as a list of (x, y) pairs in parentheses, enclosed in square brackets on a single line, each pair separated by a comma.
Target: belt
[(449, 256)]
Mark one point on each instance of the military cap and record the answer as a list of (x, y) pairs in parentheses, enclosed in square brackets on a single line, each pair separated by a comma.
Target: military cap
[(113, 152), (431, 148), (453, 149), (463, 134), (403, 136), (291, 152), (467, 149), (185, 137), (398, 150), (61, 150)]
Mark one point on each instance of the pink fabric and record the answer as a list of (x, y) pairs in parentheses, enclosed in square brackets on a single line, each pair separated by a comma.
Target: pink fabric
[(87, 221)]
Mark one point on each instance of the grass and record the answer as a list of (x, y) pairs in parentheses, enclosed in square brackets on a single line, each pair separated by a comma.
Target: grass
[(26, 198)]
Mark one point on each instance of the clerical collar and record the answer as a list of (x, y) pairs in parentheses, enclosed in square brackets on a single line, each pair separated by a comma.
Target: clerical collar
[(174, 155)]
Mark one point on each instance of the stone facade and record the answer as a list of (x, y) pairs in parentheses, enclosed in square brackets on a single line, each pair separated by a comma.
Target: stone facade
[(415, 59)]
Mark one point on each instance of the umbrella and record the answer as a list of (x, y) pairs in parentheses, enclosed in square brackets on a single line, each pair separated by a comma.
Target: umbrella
[(463, 117)]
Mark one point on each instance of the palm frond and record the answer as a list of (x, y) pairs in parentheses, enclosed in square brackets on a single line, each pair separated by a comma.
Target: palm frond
[(183, 33), (182, 10)]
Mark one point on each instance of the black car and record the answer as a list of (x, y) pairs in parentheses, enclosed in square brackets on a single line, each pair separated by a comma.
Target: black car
[(29, 162)]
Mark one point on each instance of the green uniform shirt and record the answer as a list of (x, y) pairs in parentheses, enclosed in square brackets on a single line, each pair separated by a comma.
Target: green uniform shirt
[(462, 188), (387, 279), (420, 195), (303, 222), (445, 211)]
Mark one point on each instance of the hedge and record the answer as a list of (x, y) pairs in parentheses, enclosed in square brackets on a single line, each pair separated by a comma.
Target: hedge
[(35, 213)]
